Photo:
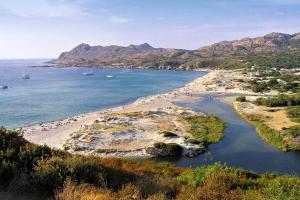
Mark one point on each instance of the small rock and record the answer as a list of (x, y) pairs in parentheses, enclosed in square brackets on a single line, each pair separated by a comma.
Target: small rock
[(191, 153)]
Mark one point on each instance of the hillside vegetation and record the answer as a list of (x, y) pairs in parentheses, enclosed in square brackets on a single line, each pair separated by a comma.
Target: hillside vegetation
[(279, 100), (28, 168)]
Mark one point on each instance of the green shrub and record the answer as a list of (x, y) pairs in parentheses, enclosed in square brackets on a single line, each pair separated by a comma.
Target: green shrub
[(293, 131), (50, 174), (30, 154), (241, 99), (197, 176), (7, 172), (167, 149), (294, 113), (287, 188), (280, 100)]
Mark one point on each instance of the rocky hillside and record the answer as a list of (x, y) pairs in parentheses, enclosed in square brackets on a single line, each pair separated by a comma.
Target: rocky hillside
[(142, 55), (272, 42), (146, 56)]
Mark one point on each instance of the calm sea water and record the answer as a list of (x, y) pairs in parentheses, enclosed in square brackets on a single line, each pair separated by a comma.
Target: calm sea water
[(55, 93), (241, 146)]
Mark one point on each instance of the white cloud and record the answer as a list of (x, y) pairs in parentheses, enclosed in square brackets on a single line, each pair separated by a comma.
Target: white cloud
[(44, 8), (119, 20)]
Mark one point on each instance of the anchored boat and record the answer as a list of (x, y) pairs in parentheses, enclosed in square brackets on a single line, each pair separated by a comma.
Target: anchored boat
[(25, 76), (90, 73)]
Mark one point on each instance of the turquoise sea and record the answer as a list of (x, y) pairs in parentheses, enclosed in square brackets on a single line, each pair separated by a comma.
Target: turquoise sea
[(55, 93)]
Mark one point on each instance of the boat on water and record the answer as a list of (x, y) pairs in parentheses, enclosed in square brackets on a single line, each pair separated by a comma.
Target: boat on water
[(90, 73), (25, 76), (110, 76), (3, 87)]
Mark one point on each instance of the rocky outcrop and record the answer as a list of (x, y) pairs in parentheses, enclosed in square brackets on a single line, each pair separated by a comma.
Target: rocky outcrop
[(165, 150)]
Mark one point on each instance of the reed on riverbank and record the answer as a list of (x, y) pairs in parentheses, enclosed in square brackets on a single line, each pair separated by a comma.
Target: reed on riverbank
[(269, 135), (209, 129)]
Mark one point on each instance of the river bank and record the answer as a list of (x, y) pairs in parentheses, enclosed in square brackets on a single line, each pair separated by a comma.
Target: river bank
[(271, 124)]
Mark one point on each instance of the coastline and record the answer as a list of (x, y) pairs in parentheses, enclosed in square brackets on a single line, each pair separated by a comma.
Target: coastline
[(55, 134)]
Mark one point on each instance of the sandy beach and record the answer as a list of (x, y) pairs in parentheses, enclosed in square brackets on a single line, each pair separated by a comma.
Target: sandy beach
[(57, 134)]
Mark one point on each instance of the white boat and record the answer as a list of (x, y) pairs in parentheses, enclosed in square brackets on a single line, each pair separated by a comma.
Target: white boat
[(88, 73), (25, 76), (110, 76)]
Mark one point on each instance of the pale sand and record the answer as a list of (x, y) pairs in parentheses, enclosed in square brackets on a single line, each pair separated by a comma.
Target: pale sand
[(275, 118), (55, 134)]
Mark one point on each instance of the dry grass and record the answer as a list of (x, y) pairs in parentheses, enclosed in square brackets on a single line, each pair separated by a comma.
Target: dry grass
[(275, 119), (87, 138), (82, 192)]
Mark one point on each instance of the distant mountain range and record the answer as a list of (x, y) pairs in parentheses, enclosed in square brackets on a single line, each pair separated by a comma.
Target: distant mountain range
[(146, 56)]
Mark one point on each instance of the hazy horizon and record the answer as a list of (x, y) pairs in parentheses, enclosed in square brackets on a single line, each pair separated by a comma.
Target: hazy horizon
[(45, 28)]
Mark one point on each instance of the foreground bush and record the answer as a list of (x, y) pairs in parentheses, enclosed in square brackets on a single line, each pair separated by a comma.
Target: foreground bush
[(71, 191), (62, 176)]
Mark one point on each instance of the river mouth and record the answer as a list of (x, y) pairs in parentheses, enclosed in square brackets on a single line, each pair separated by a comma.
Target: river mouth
[(241, 146)]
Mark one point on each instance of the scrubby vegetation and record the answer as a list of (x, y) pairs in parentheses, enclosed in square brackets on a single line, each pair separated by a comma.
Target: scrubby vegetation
[(271, 136), (280, 100), (161, 149), (241, 99), (275, 71), (294, 131), (287, 59), (28, 168), (281, 83), (268, 134), (294, 113), (208, 129)]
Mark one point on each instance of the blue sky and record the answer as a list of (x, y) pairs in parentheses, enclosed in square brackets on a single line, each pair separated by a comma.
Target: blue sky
[(44, 28)]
